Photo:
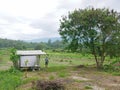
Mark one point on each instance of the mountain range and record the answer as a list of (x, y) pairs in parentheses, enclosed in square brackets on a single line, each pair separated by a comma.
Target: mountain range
[(44, 39)]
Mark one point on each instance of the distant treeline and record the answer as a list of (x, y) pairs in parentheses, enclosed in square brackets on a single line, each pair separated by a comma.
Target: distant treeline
[(18, 44)]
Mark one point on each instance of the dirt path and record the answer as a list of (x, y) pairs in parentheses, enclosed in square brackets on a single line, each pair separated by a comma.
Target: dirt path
[(96, 80)]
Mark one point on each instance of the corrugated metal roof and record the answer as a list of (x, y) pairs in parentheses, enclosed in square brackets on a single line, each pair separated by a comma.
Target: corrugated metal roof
[(30, 52)]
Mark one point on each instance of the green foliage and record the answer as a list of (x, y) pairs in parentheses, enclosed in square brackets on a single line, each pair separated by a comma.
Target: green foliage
[(10, 79), (21, 45), (114, 66), (91, 28), (39, 47), (14, 71), (114, 70), (6, 43), (14, 57)]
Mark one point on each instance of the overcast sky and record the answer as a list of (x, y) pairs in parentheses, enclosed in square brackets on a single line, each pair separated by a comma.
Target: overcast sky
[(34, 19)]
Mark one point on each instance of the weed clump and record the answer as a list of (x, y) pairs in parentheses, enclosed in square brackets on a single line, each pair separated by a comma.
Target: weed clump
[(49, 85), (80, 66)]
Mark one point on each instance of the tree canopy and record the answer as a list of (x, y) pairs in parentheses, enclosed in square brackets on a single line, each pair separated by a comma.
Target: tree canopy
[(92, 28)]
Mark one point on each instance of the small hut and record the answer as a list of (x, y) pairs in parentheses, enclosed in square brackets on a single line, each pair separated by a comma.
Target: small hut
[(29, 58)]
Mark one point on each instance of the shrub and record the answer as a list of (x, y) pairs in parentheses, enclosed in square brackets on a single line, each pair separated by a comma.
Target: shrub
[(14, 57), (113, 66)]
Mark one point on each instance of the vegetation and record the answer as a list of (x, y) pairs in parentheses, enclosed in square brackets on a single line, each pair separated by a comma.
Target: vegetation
[(6, 43), (10, 79), (21, 45), (59, 68), (95, 29), (14, 57)]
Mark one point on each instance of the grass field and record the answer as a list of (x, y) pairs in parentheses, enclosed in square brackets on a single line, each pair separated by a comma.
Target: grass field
[(75, 71)]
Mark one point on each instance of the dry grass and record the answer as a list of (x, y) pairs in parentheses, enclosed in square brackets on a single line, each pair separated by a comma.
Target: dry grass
[(88, 77)]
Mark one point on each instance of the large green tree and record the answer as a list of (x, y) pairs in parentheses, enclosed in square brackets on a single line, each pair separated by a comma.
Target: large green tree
[(93, 28)]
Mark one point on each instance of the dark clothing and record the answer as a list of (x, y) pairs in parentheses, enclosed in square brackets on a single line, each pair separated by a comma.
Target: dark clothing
[(46, 61)]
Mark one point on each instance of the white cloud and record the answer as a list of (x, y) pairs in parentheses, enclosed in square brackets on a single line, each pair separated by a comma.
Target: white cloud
[(33, 19), (27, 8)]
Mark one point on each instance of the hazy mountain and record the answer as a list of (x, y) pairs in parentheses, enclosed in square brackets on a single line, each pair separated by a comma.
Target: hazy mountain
[(44, 39)]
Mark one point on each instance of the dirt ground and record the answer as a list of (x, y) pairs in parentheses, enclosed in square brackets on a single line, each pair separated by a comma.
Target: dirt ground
[(5, 66), (77, 79)]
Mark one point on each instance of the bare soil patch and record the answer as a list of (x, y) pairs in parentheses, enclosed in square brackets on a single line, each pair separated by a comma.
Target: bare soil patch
[(79, 79)]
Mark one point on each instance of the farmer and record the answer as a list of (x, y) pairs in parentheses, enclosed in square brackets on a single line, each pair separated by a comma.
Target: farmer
[(46, 62)]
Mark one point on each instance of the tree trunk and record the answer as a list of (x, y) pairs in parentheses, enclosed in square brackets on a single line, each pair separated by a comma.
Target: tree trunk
[(99, 62), (102, 53)]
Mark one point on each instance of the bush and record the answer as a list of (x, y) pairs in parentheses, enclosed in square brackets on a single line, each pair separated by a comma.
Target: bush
[(113, 66), (14, 57)]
